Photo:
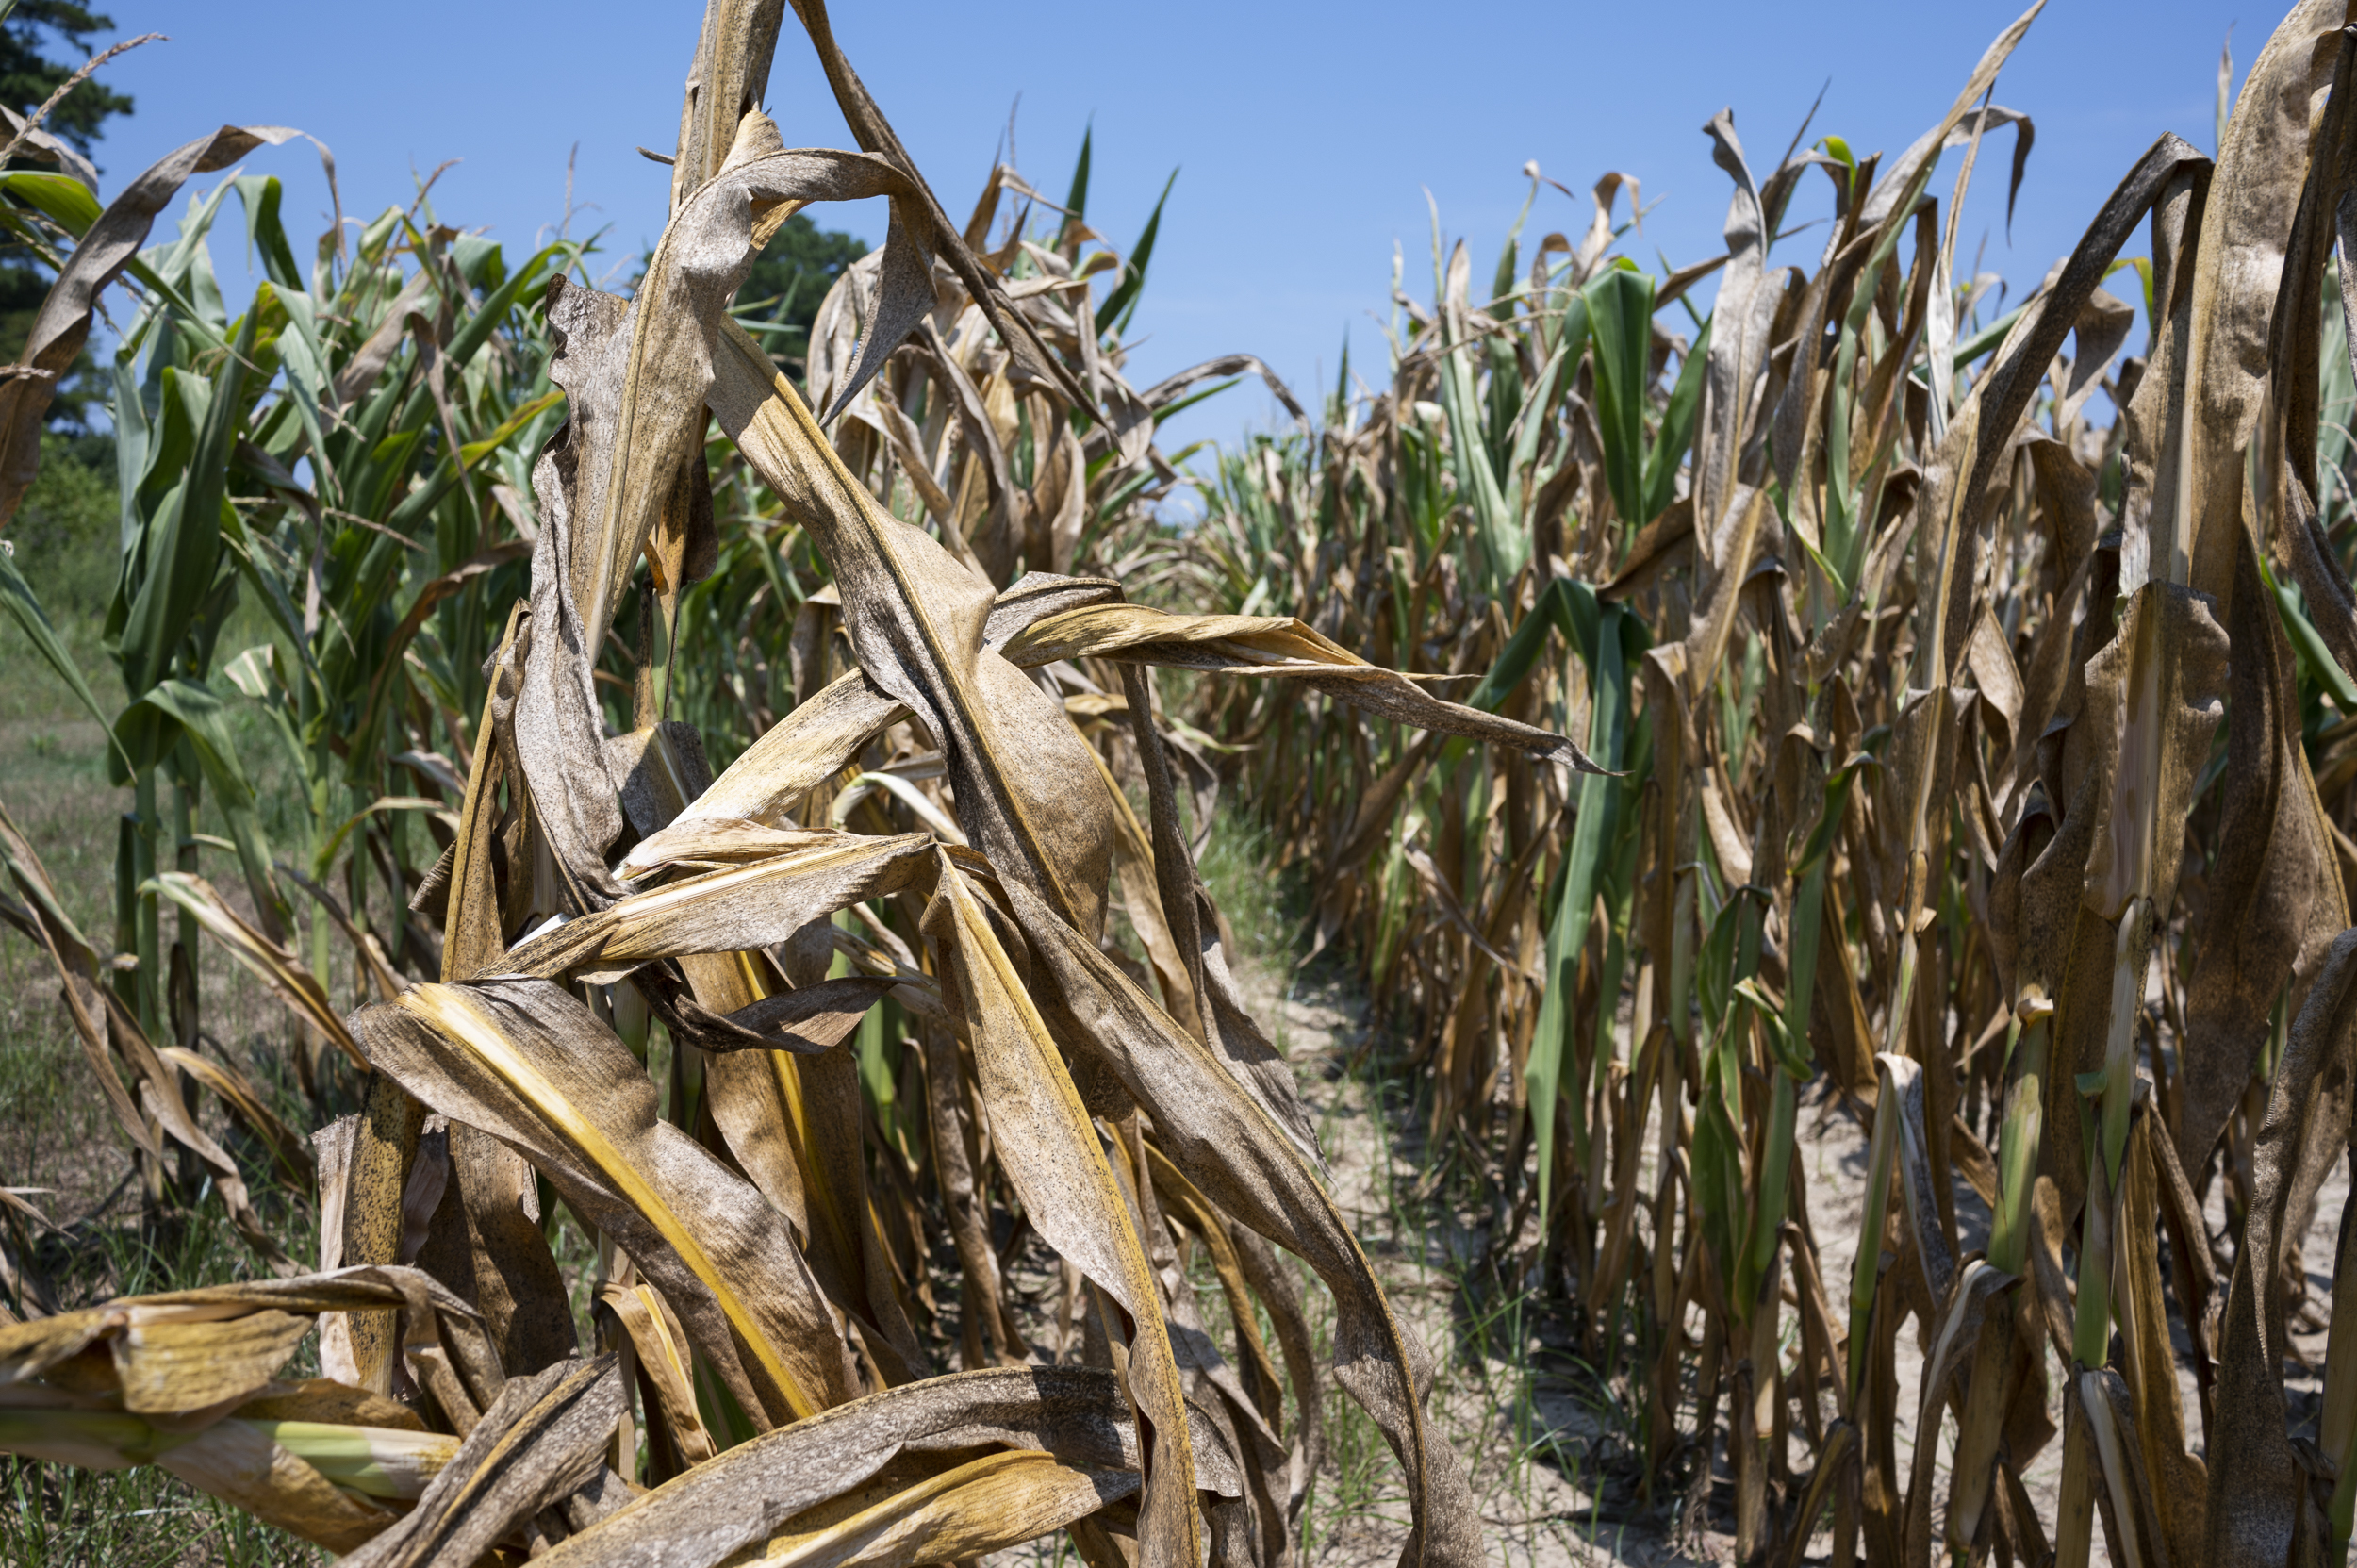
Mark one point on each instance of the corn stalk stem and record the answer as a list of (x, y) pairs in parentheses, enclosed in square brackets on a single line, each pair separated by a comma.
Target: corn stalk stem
[(2091, 1331), (2075, 1508), (2018, 1144), (148, 932), (2343, 1501), (1865, 1271)]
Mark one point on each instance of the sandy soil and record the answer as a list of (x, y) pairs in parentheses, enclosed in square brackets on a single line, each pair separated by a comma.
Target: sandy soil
[(1538, 1447)]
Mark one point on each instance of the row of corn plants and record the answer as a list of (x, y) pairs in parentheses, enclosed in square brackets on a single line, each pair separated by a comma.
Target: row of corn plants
[(1974, 767), (402, 374), (1961, 762), (792, 1041)]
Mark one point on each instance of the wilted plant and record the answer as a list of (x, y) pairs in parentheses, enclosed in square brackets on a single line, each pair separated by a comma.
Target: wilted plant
[(748, 1278), (1925, 713), (1923, 688)]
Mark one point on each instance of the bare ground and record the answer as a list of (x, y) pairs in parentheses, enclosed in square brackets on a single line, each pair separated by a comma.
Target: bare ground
[(1540, 1447)]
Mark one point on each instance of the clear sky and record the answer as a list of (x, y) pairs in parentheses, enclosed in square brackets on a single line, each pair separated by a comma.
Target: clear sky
[(1307, 135)]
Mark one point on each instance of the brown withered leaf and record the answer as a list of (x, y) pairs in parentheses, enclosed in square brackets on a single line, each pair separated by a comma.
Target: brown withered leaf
[(2146, 708), (1961, 488), (957, 1153), (1167, 390), (486, 1242), (552, 717), (1028, 793), (531, 1066), (815, 741), (544, 1437), (790, 1123), (473, 934), (803, 750), (244, 1101), (2246, 226), (1227, 1144), (2256, 1483), (676, 1436), (1179, 1199), (2128, 1496), (875, 135), (2154, 697), (1902, 1096), (633, 373), (2297, 539), (171, 1367), (1275, 646), (957, 1515), (2067, 493), (1745, 316), (62, 327), (2275, 898), (373, 1207), (1894, 181), (76, 964), (730, 78), (637, 399), (272, 963), (715, 843), (1049, 1149), (187, 1351), (997, 534), (742, 907), (809, 1019), (2151, 1362), (749, 1493), (1978, 1292)]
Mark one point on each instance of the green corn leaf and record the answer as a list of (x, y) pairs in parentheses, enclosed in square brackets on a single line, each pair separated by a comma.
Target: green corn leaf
[(1505, 543), (2315, 656), (1592, 829), (1114, 315), (1620, 319), (1714, 967), (1677, 429), (1764, 1224), (1076, 199), (183, 543), (309, 387), (1521, 652), (260, 194), (177, 709), (62, 198), (1555, 379), (1721, 1198)]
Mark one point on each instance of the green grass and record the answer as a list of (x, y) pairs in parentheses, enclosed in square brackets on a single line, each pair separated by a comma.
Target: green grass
[(57, 1514), (60, 1517), (1266, 909)]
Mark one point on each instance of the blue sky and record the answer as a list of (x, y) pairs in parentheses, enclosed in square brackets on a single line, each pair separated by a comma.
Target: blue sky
[(1306, 136)]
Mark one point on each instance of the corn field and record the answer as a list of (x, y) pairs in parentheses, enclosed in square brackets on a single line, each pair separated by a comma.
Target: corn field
[(1822, 715)]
